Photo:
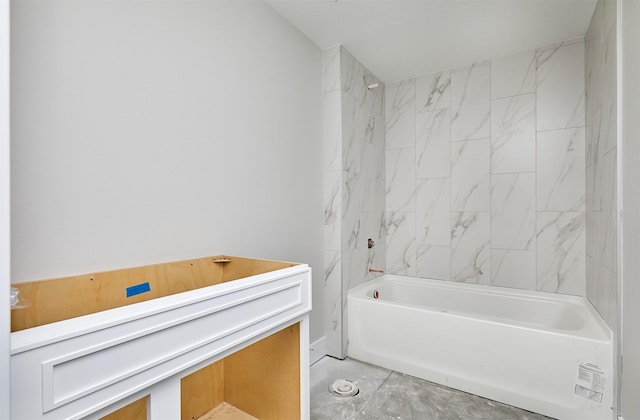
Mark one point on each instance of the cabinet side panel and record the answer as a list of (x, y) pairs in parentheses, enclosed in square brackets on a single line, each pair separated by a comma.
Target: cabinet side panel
[(264, 378), (201, 391)]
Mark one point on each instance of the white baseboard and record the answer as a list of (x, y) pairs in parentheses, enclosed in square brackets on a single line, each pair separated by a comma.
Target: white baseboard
[(317, 350)]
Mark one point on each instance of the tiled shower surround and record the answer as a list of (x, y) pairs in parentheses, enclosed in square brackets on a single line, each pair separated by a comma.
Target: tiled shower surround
[(601, 162), (501, 173), (485, 172), (354, 185)]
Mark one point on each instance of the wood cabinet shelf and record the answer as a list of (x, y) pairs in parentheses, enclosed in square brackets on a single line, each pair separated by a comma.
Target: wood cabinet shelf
[(225, 411)]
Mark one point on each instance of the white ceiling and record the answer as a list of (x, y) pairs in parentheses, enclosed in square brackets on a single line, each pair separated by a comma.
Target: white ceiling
[(400, 39)]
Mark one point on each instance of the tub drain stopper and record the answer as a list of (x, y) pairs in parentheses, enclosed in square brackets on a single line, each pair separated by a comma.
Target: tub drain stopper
[(344, 388)]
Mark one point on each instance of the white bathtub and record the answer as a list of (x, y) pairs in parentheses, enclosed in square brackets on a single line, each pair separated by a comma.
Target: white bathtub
[(550, 354)]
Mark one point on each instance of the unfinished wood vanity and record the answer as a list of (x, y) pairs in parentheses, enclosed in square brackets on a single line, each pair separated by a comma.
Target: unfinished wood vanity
[(211, 338)]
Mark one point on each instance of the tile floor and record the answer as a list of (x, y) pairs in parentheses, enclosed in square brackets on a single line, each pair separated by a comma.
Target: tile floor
[(385, 394)]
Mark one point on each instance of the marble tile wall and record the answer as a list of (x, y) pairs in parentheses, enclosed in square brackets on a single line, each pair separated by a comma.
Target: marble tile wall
[(485, 172), (354, 192), (601, 162)]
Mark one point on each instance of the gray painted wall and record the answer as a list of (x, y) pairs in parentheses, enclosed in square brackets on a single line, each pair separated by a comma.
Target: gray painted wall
[(145, 132)]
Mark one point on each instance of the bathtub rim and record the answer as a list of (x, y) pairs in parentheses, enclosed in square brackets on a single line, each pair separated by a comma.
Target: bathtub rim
[(605, 334)]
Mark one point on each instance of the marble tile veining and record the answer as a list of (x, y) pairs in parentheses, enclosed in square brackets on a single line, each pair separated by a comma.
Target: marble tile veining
[(513, 211), (433, 199), (470, 102), (604, 182), (354, 184), (433, 91), (400, 179), (332, 210), (352, 145), (511, 137), (513, 134), (601, 149), (434, 262), (560, 170), (496, 194), (606, 296), (400, 114), (333, 307), (352, 206), (390, 395), (513, 75), (470, 181), (433, 133), (350, 71), (332, 127), (561, 252), (400, 228), (513, 268), (561, 92), (470, 247)]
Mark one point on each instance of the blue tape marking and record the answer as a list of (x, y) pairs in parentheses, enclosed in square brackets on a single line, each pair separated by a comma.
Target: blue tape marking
[(137, 289)]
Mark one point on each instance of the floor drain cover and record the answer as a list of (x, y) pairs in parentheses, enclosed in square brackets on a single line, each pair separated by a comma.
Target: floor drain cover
[(343, 388)]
